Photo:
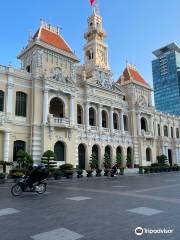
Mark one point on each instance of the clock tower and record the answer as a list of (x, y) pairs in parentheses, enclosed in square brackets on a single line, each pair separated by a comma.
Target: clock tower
[(95, 49)]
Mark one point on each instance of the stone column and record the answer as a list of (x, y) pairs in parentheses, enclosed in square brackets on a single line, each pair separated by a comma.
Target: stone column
[(139, 124), (6, 145), (87, 115), (111, 120), (45, 106), (100, 117), (71, 109), (122, 122), (174, 131), (10, 95), (152, 127)]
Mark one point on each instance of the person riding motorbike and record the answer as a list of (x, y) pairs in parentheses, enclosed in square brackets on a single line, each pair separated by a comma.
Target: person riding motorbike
[(36, 175), (113, 170)]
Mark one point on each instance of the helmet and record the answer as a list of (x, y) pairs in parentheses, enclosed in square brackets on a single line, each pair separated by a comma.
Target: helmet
[(35, 165), (41, 166)]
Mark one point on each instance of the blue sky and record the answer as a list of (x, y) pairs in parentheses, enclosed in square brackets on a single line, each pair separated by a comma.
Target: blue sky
[(135, 27)]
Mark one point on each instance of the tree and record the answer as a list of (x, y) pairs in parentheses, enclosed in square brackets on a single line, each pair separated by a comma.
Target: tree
[(162, 160), (24, 159), (93, 161), (119, 160), (49, 159), (107, 160)]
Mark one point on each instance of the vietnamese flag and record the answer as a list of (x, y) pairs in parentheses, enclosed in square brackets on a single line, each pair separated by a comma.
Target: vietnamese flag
[(92, 2)]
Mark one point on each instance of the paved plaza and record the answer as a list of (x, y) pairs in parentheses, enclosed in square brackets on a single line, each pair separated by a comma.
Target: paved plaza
[(95, 209)]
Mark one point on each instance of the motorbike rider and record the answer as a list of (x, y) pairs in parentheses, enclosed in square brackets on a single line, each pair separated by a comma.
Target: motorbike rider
[(114, 170), (36, 175)]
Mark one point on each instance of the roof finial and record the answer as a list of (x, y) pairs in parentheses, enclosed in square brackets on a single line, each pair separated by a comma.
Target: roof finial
[(96, 7)]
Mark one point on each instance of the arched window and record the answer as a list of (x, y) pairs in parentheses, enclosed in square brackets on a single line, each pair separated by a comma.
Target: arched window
[(104, 119), (177, 132), (115, 120), (79, 114), (144, 124), (159, 130), (92, 117), (18, 145), (21, 104), (59, 150), (125, 119), (172, 132), (165, 131), (148, 155), (57, 108), (1, 101)]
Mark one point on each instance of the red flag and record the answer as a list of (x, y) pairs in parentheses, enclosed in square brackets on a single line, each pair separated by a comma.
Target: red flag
[(91, 2)]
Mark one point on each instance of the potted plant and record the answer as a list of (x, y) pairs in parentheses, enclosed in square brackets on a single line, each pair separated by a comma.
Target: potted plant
[(140, 169), (121, 170), (98, 172), (93, 163), (79, 173), (2, 178), (107, 164), (89, 172), (4, 164), (49, 159), (24, 160), (57, 174), (69, 173), (67, 170)]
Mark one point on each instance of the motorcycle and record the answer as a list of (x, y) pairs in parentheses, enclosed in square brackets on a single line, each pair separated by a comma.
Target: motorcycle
[(22, 186)]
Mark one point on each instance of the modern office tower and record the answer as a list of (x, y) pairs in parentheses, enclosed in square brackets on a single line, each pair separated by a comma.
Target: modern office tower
[(166, 79)]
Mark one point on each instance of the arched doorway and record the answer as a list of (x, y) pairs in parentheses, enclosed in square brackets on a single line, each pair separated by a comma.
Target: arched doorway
[(148, 155), (119, 156), (81, 156), (57, 108), (129, 157), (18, 145), (108, 151), (95, 151), (170, 157), (59, 150)]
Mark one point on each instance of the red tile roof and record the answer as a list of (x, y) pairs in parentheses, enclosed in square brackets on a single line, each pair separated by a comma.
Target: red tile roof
[(130, 73), (52, 38)]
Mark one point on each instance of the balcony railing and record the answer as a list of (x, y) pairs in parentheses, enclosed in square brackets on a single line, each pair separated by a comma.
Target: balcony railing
[(59, 122), (2, 118), (147, 134)]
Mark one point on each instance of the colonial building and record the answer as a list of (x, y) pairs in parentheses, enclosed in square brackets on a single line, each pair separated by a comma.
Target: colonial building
[(55, 103)]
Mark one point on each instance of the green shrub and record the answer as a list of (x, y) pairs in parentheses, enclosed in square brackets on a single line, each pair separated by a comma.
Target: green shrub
[(49, 159), (66, 166), (93, 163), (24, 159)]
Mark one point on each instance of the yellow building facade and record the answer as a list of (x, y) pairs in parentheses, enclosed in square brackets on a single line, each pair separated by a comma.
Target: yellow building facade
[(55, 103)]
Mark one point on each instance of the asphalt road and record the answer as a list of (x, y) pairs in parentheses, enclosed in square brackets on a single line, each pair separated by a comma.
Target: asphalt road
[(95, 209)]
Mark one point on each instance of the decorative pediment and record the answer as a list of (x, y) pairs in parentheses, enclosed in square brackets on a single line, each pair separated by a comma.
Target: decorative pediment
[(103, 79)]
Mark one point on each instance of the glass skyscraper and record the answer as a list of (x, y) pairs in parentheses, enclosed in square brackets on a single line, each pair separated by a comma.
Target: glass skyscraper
[(166, 79)]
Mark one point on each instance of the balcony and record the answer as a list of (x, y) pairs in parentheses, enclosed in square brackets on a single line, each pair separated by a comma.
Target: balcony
[(93, 128), (59, 122), (147, 135), (105, 130)]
